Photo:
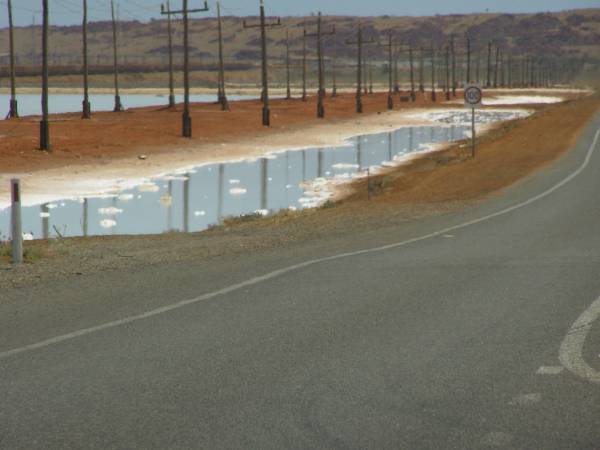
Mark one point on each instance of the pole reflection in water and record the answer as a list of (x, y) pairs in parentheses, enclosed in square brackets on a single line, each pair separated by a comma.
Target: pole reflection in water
[(45, 214), (85, 220), (186, 203), (170, 206), (411, 139), (320, 163), (390, 147), (220, 188), (264, 175), (359, 158), (303, 165)]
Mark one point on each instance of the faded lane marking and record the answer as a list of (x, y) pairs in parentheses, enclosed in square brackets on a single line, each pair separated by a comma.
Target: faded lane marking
[(571, 349), (526, 399), (550, 370), (286, 270)]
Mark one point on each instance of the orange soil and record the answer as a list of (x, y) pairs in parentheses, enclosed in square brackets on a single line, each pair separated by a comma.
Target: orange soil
[(157, 129)]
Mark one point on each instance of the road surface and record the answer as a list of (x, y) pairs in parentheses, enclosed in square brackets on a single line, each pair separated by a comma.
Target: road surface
[(477, 329)]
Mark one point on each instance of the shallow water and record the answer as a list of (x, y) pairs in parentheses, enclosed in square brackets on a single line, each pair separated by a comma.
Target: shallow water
[(30, 104), (201, 197)]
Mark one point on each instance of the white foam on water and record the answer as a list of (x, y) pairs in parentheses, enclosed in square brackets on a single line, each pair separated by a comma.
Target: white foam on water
[(110, 211), (199, 213), (108, 223), (238, 191)]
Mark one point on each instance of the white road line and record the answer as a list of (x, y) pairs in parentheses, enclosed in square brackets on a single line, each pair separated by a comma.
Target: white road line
[(571, 349), (285, 270)]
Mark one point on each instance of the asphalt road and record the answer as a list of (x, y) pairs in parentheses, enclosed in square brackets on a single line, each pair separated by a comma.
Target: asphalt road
[(465, 333)]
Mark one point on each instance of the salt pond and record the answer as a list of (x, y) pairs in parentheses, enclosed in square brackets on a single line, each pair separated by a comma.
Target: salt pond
[(200, 197), (30, 104)]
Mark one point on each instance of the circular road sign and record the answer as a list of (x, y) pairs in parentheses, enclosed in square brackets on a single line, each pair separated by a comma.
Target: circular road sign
[(473, 95)]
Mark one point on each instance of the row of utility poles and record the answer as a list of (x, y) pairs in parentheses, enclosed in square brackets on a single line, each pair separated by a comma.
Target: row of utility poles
[(525, 71)]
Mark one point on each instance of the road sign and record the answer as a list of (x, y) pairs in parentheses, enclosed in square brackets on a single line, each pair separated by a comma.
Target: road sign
[(473, 96), (473, 99)]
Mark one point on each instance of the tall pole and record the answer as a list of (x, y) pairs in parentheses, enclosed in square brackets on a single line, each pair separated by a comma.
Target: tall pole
[(452, 49), (13, 109), (44, 125), (185, 118), (447, 73), (266, 116), (496, 66), (170, 44), (390, 101), (320, 35), (266, 113), (334, 66), (433, 93), (489, 66), (468, 78), (396, 82), (222, 91), (304, 65), (370, 73), (321, 93), (422, 70), (118, 106), (359, 105), (87, 110), (288, 95), (413, 95)]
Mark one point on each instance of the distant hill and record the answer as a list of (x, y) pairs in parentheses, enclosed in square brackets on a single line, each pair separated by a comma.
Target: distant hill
[(569, 33)]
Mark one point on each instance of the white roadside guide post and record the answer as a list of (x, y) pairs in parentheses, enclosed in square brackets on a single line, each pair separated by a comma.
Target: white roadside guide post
[(473, 99), (16, 234)]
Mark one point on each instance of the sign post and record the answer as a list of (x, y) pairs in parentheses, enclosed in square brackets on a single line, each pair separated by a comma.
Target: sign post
[(473, 99), (16, 234)]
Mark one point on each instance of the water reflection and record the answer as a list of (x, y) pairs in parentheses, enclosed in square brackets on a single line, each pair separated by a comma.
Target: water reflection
[(204, 196)]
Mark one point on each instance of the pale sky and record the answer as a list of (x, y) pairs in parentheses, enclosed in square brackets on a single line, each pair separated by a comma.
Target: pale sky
[(64, 12)]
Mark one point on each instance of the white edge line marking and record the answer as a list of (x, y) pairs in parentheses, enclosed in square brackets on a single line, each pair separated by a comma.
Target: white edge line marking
[(285, 270), (571, 349)]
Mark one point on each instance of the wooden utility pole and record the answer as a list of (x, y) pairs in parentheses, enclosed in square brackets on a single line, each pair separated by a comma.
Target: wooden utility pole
[(118, 106), (370, 64), (396, 82), (167, 8), (433, 93), (320, 35), (468, 77), (86, 107), (447, 73), (488, 83), (496, 66), (359, 66), (288, 95), (413, 95), (390, 45), (266, 113), (478, 66), (334, 65), (44, 124), (13, 111), (222, 94), (185, 11), (304, 35), (452, 49), (422, 70)]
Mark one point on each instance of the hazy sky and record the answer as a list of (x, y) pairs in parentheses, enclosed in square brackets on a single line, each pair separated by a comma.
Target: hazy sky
[(69, 11)]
